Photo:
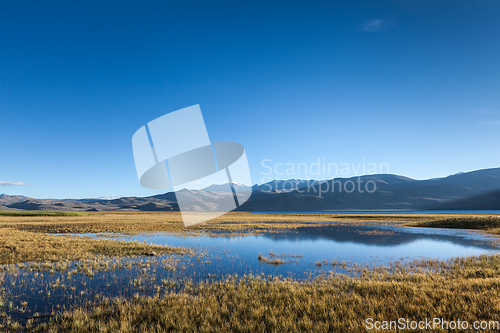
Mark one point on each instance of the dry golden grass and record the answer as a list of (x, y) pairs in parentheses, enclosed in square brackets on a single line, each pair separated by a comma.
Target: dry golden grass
[(133, 222), (24, 238), (18, 246), (279, 259), (466, 289), (489, 223)]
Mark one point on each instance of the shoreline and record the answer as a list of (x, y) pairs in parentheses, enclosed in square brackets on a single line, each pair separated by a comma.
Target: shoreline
[(336, 300)]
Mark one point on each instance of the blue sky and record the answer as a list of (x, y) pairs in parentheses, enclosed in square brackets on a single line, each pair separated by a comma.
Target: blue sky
[(413, 84)]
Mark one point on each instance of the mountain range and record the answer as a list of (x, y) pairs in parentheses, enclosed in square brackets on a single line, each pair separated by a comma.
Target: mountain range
[(476, 190)]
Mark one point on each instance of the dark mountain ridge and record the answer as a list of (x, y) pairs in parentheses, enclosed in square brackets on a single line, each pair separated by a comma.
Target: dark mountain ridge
[(476, 190)]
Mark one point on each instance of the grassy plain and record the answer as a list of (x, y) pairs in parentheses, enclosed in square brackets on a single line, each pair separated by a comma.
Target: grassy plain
[(133, 223), (464, 288), (28, 236)]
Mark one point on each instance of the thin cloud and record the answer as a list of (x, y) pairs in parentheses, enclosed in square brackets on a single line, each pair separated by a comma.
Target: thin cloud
[(372, 25), (490, 123), (4, 183)]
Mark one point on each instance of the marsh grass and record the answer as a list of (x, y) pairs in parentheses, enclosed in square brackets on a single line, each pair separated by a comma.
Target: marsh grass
[(335, 303), (236, 223), (465, 288), (279, 259), (17, 246), (133, 223), (271, 261), (27, 237), (489, 223), (89, 266), (384, 217), (284, 255)]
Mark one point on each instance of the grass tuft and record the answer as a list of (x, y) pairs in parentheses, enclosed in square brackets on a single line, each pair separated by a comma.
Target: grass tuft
[(465, 288)]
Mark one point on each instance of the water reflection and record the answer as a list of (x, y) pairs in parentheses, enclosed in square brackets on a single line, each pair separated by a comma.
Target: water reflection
[(47, 290), (386, 235), (358, 243)]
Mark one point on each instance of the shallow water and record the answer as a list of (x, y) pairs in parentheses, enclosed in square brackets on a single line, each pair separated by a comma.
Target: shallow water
[(308, 252), (362, 244)]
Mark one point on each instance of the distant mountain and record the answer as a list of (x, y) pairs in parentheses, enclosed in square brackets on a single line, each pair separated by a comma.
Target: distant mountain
[(11, 199), (277, 185), (475, 190), (391, 192), (223, 187), (486, 180), (280, 185)]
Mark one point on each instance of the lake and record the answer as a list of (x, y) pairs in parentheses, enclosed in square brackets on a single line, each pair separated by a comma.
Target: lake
[(305, 252)]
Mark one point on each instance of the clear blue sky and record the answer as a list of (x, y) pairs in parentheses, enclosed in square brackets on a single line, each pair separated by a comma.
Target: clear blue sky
[(415, 84)]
